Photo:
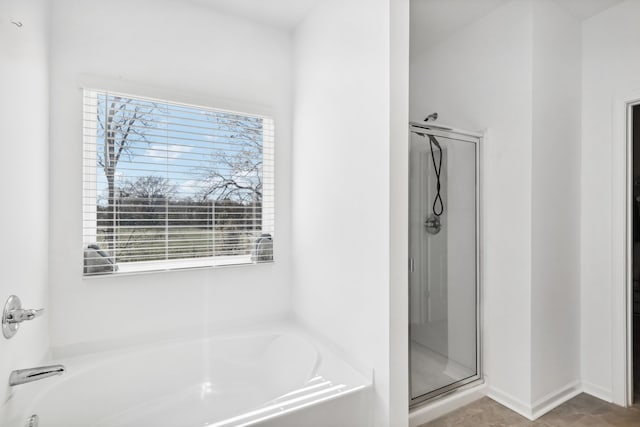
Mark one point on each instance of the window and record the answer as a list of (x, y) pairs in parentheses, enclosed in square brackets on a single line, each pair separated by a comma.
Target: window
[(169, 185)]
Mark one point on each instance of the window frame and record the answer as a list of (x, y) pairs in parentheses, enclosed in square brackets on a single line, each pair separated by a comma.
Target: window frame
[(90, 218)]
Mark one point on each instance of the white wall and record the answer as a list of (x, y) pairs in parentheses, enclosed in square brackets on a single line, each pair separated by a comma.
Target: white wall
[(516, 72), (611, 69), (176, 50), (341, 184), (479, 78), (24, 108), (555, 220)]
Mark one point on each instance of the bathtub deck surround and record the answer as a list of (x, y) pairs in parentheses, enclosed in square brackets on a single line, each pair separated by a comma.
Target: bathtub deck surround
[(245, 377)]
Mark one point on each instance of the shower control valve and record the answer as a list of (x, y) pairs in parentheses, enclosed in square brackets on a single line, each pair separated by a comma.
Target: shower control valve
[(433, 224), (13, 314)]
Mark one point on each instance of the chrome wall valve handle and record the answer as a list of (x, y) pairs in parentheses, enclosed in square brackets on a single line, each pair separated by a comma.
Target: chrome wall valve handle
[(13, 314), (20, 315)]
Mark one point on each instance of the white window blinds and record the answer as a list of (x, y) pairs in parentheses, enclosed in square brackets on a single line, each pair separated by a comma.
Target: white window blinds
[(169, 185)]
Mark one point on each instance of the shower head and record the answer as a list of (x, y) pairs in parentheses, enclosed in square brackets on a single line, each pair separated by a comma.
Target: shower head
[(432, 116)]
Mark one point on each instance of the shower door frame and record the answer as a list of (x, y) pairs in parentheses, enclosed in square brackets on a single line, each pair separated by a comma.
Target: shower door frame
[(477, 139)]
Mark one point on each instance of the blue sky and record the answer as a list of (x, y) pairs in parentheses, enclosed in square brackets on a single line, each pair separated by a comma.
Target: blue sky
[(179, 144)]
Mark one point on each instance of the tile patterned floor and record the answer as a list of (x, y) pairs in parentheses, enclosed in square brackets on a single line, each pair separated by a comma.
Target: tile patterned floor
[(582, 410)]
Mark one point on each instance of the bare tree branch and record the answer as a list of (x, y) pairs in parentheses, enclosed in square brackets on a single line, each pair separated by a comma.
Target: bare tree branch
[(118, 125)]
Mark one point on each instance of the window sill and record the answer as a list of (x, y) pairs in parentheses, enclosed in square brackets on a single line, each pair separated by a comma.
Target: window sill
[(135, 268)]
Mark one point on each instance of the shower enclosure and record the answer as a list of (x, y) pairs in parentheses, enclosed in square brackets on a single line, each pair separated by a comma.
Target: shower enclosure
[(444, 279)]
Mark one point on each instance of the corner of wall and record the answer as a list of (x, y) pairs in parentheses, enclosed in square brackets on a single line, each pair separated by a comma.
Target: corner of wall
[(24, 58), (398, 213), (555, 187)]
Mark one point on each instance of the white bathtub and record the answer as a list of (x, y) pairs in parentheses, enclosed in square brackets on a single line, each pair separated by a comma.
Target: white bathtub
[(252, 378)]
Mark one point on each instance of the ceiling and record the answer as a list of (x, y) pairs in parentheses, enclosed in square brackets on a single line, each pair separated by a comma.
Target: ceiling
[(437, 19), (434, 20), (277, 13), (431, 20), (583, 9)]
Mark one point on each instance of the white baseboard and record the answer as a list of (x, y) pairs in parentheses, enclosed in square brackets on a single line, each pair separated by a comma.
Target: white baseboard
[(555, 399), (510, 402), (440, 407), (431, 411), (540, 406), (597, 391)]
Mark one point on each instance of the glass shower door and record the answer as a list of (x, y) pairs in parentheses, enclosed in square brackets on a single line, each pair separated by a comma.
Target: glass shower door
[(443, 286)]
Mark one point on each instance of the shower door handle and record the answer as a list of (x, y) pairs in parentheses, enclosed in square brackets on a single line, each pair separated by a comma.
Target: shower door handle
[(412, 265)]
